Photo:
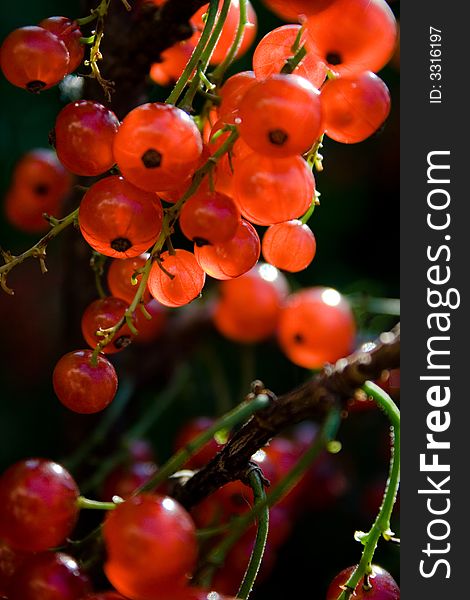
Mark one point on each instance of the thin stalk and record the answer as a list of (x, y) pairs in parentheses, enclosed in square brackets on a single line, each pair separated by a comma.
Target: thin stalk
[(37, 251), (257, 554), (219, 72), (239, 414), (196, 55), (83, 502), (381, 526), (187, 101)]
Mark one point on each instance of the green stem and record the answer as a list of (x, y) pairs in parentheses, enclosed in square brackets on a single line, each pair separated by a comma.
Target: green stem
[(219, 72), (305, 219), (257, 554), (188, 98), (381, 526), (196, 55), (228, 421), (83, 502), (293, 62), (157, 407)]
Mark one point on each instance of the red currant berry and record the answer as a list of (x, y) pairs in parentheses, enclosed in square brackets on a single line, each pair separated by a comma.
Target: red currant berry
[(181, 281), (172, 63), (209, 218), (290, 246), (34, 59), (354, 107), (84, 387), (231, 94), (250, 305), (69, 32), (157, 147), (383, 585), (150, 539), (149, 329), (275, 49), (316, 326), (281, 116), (232, 258), (125, 479), (39, 505), (273, 190), (118, 219), (354, 36), (103, 314), (49, 576), (120, 275), (84, 134)]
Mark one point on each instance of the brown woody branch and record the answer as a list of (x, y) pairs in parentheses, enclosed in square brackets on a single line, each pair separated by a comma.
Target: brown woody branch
[(333, 386)]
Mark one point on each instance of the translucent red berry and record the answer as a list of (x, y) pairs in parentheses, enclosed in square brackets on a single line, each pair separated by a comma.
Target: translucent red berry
[(273, 190), (231, 94), (69, 32), (232, 258), (275, 49), (157, 147), (149, 329), (209, 218), (49, 576), (172, 63), (281, 116), (316, 326), (82, 386), (102, 314), (150, 540), (39, 505), (354, 106), (250, 306), (119, 277), (289, 246), (180, 282), (118, 219), (383, 585), (355, 35), (33, 58), (83, 135)]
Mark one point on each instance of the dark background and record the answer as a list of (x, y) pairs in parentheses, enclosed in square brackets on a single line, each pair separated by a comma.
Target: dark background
[(357, 232)]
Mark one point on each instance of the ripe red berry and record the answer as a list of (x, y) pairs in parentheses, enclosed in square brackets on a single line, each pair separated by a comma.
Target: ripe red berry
[(384, 586), (69, 32), (231, 94), (33, 58), (39, 505), (276, 47), (290, 246), (82, 386), (40, 183), (186, 284), (83, 135), (355, 35), (354, 106), (172, 63), (49, 576), (118, 219), (209, 218), (232, 258), (229, 30), (104, 313), (250, 306), (281, 116), (119, 277), (157, 147), (125, 479), (150, 541), (273, 190), (316, 326)]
